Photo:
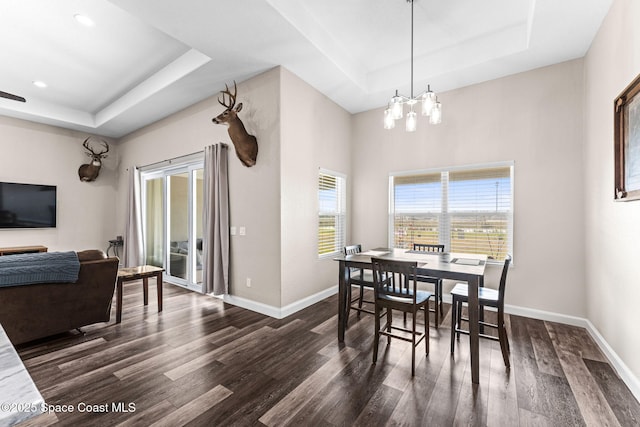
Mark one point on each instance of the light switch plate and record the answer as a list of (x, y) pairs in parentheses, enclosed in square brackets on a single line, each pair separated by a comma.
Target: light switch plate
[(233, 231), (243, 231)]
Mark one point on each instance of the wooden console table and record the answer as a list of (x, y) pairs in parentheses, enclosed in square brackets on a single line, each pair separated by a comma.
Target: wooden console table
[(135, 273), (22, 250)]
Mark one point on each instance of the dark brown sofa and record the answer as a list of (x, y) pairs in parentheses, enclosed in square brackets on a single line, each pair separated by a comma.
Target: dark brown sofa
[(29, 312)]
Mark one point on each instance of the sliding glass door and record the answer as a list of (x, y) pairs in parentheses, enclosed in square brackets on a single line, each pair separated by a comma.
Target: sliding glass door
[(172, 222)]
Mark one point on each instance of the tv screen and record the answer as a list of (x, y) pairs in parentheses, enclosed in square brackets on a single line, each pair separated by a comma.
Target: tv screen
[(27, 205)]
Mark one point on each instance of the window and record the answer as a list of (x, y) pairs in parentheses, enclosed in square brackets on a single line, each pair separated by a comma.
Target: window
[(331, 212), (468, 209)]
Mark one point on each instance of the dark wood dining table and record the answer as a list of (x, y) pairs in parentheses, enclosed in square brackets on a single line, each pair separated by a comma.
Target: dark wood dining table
[(463, 267)]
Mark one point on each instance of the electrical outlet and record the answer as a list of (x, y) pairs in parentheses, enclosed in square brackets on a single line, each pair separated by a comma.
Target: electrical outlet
[(233, 231), (248, 282), (243, 231)]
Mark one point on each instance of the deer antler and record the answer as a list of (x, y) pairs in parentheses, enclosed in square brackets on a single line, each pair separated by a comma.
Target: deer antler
[(232, 97), (102, 153)]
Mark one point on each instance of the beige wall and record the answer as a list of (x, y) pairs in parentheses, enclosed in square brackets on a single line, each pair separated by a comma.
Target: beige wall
[(316, 134), (533, 119), (299, 131), (40, 154), (254, 192), (612, 228)]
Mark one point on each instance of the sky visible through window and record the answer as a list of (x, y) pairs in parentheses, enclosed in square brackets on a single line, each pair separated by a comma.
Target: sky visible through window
[(328, 200), (478, 195)]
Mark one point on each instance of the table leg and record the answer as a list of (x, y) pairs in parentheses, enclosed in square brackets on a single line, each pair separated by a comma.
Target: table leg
[(342, 301), (145, 290), (119, 301), (474, 339), (159, 280)]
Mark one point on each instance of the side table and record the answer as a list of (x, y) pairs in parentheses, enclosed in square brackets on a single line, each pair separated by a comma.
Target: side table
[(134, 273)]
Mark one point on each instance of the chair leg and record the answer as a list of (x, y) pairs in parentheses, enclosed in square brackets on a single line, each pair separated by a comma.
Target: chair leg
[(426, 328), (502, 336), (346, 319), (413, 342), (389, 318), (506, 337), (506, 340), (361, 299), (459, 318), (503, 346), (454, 304), (436, 311), (377, 334), (441, 309)]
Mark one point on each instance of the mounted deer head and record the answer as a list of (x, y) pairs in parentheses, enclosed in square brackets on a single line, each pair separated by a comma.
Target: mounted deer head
[(246, 145), (89, 172)]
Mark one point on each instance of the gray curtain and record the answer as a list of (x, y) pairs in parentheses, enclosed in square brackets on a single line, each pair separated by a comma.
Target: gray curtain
[(133, 255), (215, 250)]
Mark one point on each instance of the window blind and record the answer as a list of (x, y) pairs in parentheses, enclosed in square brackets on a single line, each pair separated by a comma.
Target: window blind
[(466, 209), (331, 213)]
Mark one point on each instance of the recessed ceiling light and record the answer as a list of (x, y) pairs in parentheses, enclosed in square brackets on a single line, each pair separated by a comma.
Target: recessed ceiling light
[(84, 20), (39, 84)]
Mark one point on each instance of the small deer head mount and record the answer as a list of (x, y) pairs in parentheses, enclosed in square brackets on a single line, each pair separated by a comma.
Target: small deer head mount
[(246, 145), (89, 172)]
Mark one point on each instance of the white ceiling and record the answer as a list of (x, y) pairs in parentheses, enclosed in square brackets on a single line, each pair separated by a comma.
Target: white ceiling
[(146, 59)]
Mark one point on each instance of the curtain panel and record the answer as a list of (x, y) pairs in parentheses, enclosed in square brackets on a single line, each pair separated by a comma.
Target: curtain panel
[(133, 247), (216, 221)]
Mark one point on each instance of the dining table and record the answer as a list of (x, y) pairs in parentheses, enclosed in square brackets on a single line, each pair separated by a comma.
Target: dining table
[(464, 267)]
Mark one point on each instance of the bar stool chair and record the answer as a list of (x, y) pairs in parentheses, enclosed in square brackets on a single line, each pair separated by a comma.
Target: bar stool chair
[(487, 298), (395, 288), (361, 278), (436, 281)]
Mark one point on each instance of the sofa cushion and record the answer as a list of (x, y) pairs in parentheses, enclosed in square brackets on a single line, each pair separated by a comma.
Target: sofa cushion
[(46, 267)]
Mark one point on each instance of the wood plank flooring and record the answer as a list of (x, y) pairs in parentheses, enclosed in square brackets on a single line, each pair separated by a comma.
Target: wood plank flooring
[(203, 363)]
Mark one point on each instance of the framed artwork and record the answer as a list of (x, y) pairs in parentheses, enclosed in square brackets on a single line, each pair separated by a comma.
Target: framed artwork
[(627, 143)]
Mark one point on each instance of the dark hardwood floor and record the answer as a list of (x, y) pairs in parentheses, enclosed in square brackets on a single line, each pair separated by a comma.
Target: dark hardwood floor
[(203, 363)]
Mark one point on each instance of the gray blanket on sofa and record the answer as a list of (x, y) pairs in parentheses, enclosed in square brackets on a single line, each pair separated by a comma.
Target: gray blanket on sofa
[(46, 267)]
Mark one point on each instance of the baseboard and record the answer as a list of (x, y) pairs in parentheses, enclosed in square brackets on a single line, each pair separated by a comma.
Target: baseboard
[(308, 301), (258, 307), (618, 365), (545, 315), (277, 312)]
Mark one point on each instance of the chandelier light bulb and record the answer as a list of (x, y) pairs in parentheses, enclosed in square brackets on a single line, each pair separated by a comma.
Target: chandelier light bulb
[(428, 101), (436, 114), (396, 106), (411, 121), (389, 122)]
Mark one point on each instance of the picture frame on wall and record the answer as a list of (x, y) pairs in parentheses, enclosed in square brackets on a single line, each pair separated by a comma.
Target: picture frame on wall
[(627, 143)]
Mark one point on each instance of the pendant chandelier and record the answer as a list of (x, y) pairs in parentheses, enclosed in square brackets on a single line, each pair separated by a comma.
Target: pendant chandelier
[(431, 107)]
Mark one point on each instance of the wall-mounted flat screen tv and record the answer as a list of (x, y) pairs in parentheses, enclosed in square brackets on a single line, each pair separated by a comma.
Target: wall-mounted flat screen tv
[(27, 205)]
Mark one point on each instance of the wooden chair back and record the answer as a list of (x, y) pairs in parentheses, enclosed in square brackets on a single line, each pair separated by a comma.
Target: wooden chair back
[(503, 281), (395, 279), (353, 249), (428, 247)]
